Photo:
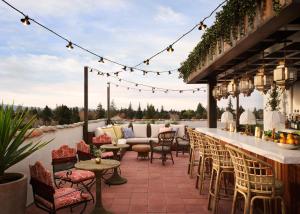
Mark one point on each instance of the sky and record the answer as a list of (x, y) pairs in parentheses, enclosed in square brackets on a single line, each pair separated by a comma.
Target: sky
[(36, 69)]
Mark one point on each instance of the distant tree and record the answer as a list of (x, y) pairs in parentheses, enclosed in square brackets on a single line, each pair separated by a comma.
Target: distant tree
[(130, 112), (220, 112), (100, 111), (113, 108), (163, 114), (229, 105), (75, 115), (200, 112), (150, 112), (63, 115), (187, 114), (139, 113), (47, 115)]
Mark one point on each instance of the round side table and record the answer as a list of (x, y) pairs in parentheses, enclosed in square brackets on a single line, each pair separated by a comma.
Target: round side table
[(98, 169), (116, 178)]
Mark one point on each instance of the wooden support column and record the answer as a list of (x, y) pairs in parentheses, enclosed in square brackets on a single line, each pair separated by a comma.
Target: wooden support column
[(86, 107), (211, 105), (108, 104), (237, 120)]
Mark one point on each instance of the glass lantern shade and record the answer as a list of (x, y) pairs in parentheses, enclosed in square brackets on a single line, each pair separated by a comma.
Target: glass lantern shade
[(224, 90), (233, 88), (246, 86), (217, 92), (284, 76), (262, 82)]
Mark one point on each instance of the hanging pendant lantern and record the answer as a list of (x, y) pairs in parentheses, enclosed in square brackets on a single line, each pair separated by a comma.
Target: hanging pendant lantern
[(233, 88), (246, 85), (224, 90), (262, 82), (216, 92), (284, 76)]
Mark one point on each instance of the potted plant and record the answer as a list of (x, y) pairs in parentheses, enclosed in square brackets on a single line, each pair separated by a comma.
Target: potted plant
[(14, 127)]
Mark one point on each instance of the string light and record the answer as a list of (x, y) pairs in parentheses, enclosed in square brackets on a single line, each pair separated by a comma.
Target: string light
[(107, 74), (157, 73), (131, 70), (25, 20), (91, 70), (147, 61), (170, 72), (125, 68), (116, 73), (70, 45), (202, 26), (149, 86), (101, 60), (98, 73), (170, 48)]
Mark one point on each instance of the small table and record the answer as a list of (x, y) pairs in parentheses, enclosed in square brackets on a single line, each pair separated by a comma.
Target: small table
[(98, 169), (115, 179), (142, 151)]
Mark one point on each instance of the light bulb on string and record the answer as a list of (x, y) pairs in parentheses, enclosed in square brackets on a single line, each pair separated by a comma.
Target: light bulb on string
[(120, 80), (157, 73), (107, 74), (136, 85), (25, 20), (131, 70), (116, 73), (166, 91), (193, 91), (202, 26), (140, 90), (101, 60), (169, 72), (91, 70), (70, 45), (170, 48), (124, 68), (180, 91), (98, 73), (147, 61)]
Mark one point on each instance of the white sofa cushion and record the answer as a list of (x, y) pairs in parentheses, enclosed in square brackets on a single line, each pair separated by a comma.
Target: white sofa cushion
[(155, 129), (140, 130), (154, 139), (137, 140), (122, 141), (181, 129), (99, 131)]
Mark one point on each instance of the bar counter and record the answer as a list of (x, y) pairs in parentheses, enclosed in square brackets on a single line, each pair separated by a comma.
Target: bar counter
[(255, 145), (286, 163)]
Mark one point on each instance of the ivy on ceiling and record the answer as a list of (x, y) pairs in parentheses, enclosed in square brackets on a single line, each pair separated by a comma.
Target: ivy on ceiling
[(228, 26)]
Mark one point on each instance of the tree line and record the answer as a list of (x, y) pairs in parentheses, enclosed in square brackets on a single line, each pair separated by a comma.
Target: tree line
[(63, 114)]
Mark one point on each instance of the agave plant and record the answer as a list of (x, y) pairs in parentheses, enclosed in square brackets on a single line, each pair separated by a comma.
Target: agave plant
[(14, 127)]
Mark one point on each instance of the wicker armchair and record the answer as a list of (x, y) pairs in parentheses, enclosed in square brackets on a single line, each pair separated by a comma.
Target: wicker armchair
[(182, 144), (254, 179), (204, 159), (164, 146), (221, 166)]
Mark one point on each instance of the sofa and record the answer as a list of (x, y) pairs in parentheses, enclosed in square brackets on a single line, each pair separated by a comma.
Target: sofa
[(143, 133)]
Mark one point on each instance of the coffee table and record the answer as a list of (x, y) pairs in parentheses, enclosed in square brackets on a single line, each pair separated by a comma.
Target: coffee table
[(98, 169), (116, 178)]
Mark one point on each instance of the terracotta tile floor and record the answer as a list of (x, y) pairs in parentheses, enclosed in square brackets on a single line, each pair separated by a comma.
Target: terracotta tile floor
[(152, 188)]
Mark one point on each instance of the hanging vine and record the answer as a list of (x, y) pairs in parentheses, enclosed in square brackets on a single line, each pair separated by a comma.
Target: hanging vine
[(229, 24)]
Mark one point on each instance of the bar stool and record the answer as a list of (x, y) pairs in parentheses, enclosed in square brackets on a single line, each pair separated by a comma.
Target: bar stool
[(204, 159), (193, 150), (254, 179), (221, 165)]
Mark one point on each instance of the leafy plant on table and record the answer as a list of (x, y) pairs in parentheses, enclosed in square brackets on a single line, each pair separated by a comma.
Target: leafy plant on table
[(14, 128)]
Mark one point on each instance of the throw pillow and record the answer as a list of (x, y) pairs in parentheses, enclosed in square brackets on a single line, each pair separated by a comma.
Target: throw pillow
[(155, 129), (140, 130), (128, 133), (165, 129), (181, 129), (110, 132), (118, 131)]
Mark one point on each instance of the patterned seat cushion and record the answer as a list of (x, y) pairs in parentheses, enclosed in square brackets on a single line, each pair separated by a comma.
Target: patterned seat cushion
[(64, 197), (182, 142), (75, 176), (161, 148), (107, 154)]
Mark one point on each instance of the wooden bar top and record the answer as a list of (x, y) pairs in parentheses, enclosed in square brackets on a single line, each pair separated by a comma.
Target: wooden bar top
[(255, 145)]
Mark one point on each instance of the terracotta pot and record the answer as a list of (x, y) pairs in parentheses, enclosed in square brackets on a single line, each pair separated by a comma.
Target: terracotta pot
[(13, 195)]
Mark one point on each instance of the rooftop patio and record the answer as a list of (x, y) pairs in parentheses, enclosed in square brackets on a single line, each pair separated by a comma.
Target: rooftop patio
[(152, 188)]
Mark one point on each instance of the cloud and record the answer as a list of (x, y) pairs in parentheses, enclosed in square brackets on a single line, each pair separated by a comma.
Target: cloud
[(168, 15)]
